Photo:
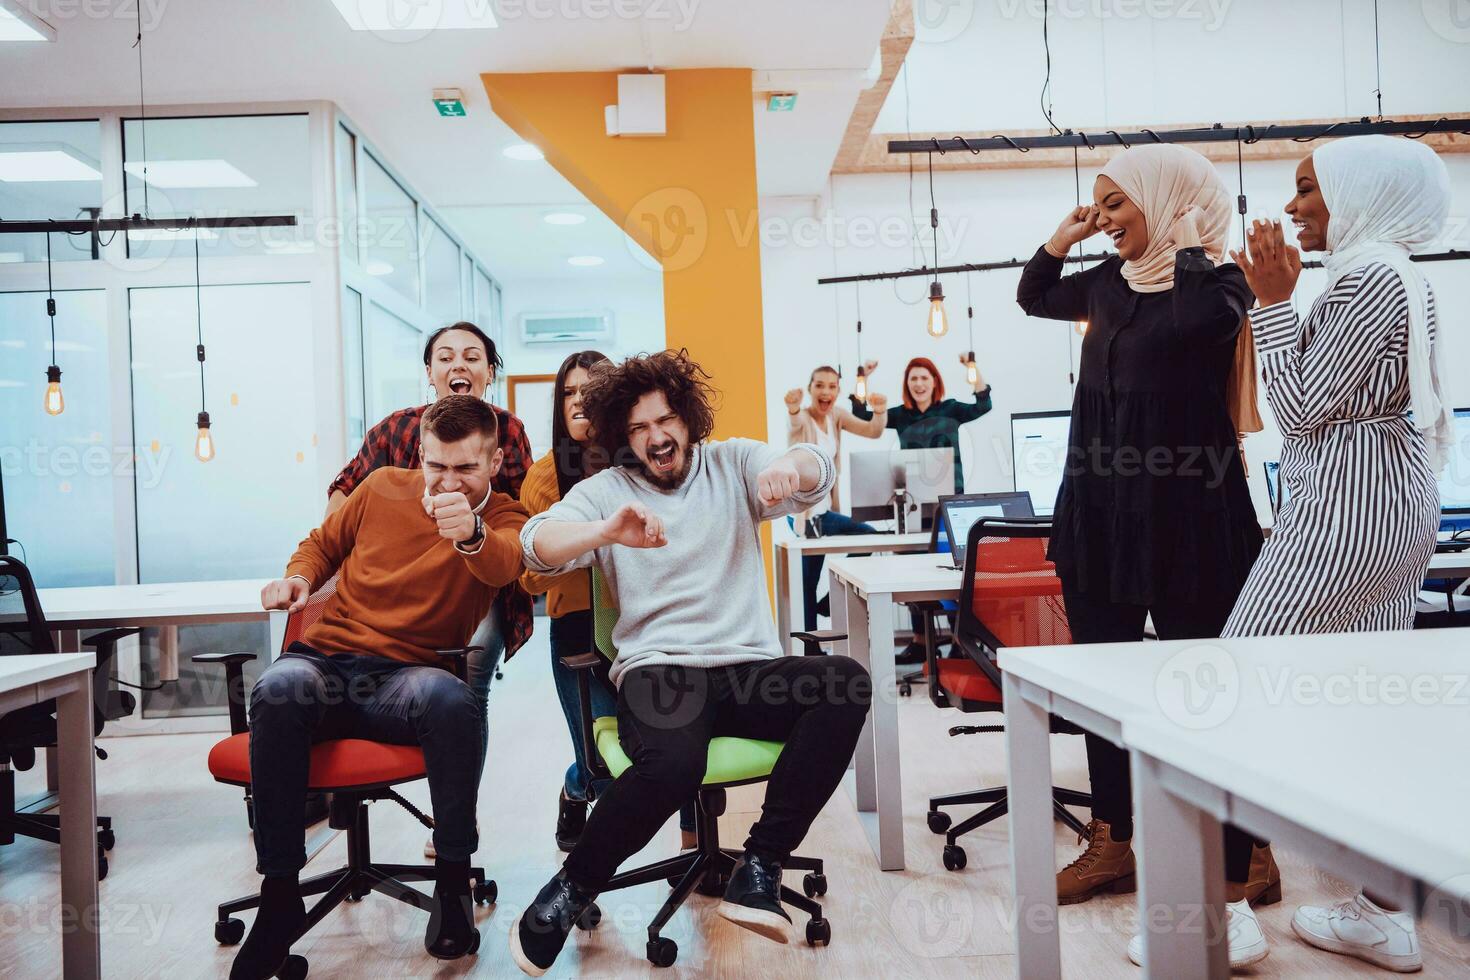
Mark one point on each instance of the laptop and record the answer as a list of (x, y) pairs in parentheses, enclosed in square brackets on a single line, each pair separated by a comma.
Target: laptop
[(959, 512)]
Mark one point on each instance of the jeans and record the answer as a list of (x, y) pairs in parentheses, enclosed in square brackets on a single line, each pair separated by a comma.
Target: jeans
[(480, 669), (829, 524), (667, 715), (307, 697), (571, 634)]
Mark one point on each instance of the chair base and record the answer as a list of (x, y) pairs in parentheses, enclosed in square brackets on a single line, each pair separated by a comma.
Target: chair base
[(997, 805), (707, 869), (351, 883)]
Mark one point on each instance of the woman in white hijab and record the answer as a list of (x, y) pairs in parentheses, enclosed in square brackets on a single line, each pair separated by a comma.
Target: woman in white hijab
[(1353, 540)]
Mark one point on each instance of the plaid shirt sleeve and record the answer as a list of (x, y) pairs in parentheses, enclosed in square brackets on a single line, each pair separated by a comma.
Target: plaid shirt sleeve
[(392, 442)]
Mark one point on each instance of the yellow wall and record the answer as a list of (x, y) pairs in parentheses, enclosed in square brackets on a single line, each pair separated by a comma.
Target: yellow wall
[(688, 197)]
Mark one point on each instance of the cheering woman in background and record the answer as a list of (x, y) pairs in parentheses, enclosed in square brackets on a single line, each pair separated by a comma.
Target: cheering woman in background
[(926, 419), (1154, 516), (1353, 541)]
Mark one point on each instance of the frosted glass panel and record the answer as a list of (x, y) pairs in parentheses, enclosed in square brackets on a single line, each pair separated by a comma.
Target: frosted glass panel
[(242, 514), (352, 380), (58, 469), (49, 170), (393, 352), (441, 274), (389, 231)]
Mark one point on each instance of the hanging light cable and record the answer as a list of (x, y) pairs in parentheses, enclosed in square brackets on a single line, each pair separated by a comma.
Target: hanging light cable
[(972, 370), (860, 388), (203, 439), (937, 322), (55, 402)]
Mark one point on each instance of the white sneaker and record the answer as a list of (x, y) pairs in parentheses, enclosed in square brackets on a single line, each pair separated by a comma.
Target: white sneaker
[(1359, 928), (1247, 941)]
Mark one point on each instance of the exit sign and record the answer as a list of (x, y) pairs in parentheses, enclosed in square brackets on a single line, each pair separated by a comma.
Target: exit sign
[(781, 102), (449, 107)]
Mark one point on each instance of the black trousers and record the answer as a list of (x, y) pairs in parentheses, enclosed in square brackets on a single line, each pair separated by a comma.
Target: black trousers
[(667, 715), (1094, 620)]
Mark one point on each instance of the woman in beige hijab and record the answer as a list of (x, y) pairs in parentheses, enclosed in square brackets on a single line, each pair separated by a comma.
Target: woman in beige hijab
[(1154, 517)]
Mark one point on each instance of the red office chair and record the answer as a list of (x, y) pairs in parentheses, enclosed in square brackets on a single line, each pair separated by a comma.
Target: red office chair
[(356, 772), (1010, 596)]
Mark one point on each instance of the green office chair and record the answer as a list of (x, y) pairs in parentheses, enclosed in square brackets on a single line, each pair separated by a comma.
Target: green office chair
[(732, 762)]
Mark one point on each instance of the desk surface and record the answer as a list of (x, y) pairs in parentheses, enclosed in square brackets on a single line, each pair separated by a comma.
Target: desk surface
[(1449, 564), (133, 605), (25, 669), (898, 573), (849, 543)]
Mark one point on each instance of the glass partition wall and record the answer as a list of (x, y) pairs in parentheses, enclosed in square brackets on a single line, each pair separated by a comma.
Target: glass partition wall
[(311, 334)]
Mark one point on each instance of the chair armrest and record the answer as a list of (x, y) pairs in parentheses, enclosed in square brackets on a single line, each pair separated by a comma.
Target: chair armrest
[(461, 657), (812, 641), (582, 661), (228, 659), (234, 684), (110, 637), (582, 664)]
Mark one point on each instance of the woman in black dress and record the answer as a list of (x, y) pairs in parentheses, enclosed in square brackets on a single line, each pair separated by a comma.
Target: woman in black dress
[(1154, 517)]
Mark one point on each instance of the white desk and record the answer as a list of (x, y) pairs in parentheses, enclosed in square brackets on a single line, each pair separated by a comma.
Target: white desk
[(863, 593), (1217, 736), (1450, 564), (30, 679), (790, 578)]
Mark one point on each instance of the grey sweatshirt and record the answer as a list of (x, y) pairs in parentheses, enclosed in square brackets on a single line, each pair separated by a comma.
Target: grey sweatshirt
[(700, 599)]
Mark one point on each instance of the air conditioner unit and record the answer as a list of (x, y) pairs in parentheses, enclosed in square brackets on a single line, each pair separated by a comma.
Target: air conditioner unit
[(566, 328)]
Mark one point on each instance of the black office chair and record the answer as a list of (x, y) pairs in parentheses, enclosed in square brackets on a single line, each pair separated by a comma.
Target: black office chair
[(23, 630)]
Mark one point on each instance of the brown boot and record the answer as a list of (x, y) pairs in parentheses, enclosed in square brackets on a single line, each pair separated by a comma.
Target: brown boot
[(1106, 865), (1263, 883)]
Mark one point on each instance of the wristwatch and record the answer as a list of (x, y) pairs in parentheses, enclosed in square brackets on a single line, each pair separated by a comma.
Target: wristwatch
[(474, 540)]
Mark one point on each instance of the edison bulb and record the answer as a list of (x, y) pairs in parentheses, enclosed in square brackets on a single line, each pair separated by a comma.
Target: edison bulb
[(972, 370), (938, 323), (204, 440), (55, 401), (860, 389)]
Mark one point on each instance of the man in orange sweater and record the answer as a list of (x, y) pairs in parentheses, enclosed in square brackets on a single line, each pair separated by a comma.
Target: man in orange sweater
[(419, 556)]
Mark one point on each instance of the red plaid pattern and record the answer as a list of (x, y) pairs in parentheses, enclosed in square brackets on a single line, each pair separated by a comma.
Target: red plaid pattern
[(395, 442)]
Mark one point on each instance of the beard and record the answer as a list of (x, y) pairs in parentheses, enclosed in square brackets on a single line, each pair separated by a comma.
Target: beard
[(672, 479)]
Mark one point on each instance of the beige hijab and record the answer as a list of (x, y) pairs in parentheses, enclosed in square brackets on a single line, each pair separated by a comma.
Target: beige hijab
[(1162, 180)]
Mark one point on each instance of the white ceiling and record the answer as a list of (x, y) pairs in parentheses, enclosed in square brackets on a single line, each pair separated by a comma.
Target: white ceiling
[(283, 50)]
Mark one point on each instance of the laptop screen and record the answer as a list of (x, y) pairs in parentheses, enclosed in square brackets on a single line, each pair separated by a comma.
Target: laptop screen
[(961, 512)]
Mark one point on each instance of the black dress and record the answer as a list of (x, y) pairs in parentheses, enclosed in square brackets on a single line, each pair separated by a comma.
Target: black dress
[(1153, 505)]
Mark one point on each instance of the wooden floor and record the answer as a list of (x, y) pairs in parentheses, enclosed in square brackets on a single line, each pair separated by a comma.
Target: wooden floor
[(182, 846)]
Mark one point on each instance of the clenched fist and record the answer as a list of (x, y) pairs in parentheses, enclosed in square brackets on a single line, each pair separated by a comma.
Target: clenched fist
[(878, 403), (778, 481), (453, 513), (793, 401), (289, 594), (1079, 225), (634, 526)]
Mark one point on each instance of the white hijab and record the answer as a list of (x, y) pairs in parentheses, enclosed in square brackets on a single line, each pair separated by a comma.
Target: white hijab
[(1388, 197)]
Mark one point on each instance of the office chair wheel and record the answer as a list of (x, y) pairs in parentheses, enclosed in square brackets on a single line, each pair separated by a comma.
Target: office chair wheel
[(590, 918), (228, 932), (107, 839), (939, 821), (101, 864), (486, 892), (819, 932), (906, 689), (814, 885), (662, 951), (954, 857), (294, 968)]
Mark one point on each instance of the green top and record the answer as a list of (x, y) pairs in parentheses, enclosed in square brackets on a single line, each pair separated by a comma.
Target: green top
[(937, 427)]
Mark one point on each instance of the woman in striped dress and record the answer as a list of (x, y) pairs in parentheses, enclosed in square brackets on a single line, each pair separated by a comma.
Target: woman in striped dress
[(1353, 541)]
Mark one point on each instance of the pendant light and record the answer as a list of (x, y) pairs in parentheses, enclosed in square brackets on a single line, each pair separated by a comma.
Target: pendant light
[(203, 439), (55, 402), (972, 370), (860, 387), (937, 323)]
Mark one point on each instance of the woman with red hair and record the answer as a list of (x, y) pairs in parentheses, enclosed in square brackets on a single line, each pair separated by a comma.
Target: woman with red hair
[(928, 420)]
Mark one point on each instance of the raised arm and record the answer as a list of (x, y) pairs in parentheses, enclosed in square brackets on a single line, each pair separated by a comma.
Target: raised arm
[(1209, 301), (777, 484), (1043, 291), (871, 424)]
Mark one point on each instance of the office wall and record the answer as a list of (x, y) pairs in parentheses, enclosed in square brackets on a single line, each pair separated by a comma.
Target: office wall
[(637, 306)]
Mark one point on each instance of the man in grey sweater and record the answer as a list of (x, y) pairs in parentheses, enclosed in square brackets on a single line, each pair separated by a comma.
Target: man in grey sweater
[(673, 525)]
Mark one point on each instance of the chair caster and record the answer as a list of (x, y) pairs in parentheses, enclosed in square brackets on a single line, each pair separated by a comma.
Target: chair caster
[(357, 895), (590, 918), (101, 864), (107, 839), (814, 884), (294, 968), (662, 951), (954, 857), (819, 932), (906, 689), (228, 932), (939, 821), (485, 892)]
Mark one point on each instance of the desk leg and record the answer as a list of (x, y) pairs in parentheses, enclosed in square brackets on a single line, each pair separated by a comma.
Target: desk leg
[(80, 946), (852, 611), (783, 599), (1181, 875), (1033, 855), (883, 717)]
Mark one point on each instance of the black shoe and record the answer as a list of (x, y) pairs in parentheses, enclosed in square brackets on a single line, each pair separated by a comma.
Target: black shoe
[(911, 654), (451, 932), (571, 817), (753, 898), (277, 924), (824, 606), (537, 939)]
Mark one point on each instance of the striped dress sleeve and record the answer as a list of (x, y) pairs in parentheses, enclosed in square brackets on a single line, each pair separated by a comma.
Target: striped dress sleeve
[(1346, 335)]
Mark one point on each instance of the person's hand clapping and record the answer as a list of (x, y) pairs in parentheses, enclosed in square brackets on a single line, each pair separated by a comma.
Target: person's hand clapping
[(1271, 268), (1079, 225), (634, 526), (778, 481), (452, 513), (289, 594)]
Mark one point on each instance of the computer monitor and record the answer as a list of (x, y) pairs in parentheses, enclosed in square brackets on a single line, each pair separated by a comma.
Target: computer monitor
[(959, 513), (1039, 454), (1454, 482), (927, 475)]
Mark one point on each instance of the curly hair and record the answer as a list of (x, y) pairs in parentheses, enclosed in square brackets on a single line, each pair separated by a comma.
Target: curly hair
[(609, 395)]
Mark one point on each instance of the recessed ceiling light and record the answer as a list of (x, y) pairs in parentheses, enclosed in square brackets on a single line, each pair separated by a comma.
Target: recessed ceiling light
[(523, 151), (190, 173), (416, 15), (564, 218), (586, 260), (377, 267), (19, 24), (21, 166)]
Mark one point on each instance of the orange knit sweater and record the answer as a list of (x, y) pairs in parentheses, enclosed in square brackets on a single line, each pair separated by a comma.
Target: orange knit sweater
[(402, 590)]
